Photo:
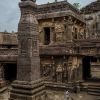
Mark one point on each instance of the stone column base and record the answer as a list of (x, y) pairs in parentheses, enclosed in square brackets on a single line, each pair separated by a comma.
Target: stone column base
[(28, 90)]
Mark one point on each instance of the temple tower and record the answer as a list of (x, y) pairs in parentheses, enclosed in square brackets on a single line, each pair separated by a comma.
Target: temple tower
[(29, 85)]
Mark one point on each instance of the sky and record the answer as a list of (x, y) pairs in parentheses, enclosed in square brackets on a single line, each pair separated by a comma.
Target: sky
[(10, 13)]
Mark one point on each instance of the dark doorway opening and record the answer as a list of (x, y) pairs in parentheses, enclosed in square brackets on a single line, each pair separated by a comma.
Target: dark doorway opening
[(10, 72), (86, 68), (46, 35)]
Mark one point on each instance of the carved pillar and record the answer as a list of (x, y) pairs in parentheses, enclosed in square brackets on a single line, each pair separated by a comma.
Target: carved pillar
[(29, 85), (52, 32), (52, 37), (77, 66), (65, 29), (79, 69), (70, 61), (42, 36), (53, 69), (69, 30), (74, 69)]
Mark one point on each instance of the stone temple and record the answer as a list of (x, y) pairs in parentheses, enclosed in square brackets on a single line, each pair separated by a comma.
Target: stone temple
[(56, 48)]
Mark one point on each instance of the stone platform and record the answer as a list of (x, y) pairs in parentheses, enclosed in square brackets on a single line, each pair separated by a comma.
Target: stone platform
[(28, 90), (55, 95)]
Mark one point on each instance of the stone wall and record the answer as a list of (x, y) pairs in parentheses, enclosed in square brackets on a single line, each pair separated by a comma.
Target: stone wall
[(93, 24)]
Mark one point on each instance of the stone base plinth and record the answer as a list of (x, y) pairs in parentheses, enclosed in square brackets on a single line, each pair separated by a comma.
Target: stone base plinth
[(2, 83), (2, 86), (28, 90)]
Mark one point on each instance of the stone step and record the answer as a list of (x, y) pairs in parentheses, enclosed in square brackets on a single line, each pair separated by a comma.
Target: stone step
[(94, 93), (3, 89), (94, 89), (94, 86)]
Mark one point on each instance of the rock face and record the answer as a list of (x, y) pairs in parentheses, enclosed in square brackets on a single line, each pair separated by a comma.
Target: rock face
[(92, 15), (92, 7), (28, 85)]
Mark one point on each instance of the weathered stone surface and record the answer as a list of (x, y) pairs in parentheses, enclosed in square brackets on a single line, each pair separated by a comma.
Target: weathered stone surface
[(62, 59), (28, 85), (8, 38), (92, 7)]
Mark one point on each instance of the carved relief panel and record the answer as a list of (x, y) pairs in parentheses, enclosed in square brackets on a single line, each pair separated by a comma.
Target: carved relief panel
[(46, 68), (59, 30)]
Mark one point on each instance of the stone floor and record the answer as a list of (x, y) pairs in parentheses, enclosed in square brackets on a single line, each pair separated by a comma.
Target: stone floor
[(78, 96), (54, 95), (4, 96)]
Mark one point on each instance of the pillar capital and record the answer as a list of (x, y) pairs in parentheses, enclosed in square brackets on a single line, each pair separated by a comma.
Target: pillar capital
[(27, 3)]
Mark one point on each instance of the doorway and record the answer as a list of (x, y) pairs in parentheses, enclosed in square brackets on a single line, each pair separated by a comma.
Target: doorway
[(86, 63), (87, 74), (10, 72)]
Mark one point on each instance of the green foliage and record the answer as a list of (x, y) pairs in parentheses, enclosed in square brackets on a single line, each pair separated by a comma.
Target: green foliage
[(77, 5)]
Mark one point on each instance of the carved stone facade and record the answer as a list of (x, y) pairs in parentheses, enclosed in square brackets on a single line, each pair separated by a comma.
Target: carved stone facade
[(67, 53), (62, 29)]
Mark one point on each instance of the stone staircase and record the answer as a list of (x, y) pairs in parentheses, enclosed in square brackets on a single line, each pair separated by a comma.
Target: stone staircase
[(94, 89), (91, 87)]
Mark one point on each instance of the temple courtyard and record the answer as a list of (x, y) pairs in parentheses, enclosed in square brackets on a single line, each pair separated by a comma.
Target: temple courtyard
[(57, 95)]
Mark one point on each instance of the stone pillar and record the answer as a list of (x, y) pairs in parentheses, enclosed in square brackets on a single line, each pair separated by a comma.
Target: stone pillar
[(80, 70), (77, 63), (69, 35), (2, 81), (29, 85), (52, 32), (1, 72), (70, 63), (42, 37), (52, 37), (65, 23)]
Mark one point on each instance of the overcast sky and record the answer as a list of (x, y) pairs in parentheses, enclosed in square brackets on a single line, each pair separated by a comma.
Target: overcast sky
[(9, 12)]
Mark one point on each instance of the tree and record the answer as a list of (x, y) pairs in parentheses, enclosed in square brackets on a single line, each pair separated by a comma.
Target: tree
[(77, 5)]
